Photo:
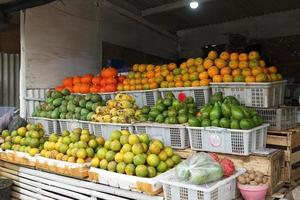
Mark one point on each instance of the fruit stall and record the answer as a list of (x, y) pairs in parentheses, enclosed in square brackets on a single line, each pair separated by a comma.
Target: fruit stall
[(211, 126)]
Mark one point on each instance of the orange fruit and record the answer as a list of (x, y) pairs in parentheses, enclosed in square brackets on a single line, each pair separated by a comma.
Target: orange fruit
[(126, 82), (132, 81), (142, 68), (261, 77), (183, 65), (272, 70), (243, 57), (164, 84), (253, 55), (132, 87), (157, 68), (246, 72), (236, 72), (192, 69), (225, 71), (212, 55), (220, 63), (200, 68), (126, 87), (137, 75), (138, 87), (208, 63), (204, 82), (178, 84), (257, 70), (164, 67), (212, 71), (250, 79), (243, 64), (146, 86), (138, 81), (151, 80), (233, 64), (190, 62), (171, 84), (144, 81), (262, 63), (171, 66), (165, 73), (227, 78), (135, 67), (217, 78), (150, 67), (193, 76), (225, 55), (198, 61), (153, 85), (195, 83), (157, 74), (234, 56), (185, 77), (203, 75), (170, 78), (177, 78), (187, 84)]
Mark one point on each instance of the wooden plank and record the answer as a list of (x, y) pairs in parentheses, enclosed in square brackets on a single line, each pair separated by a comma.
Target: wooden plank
[(295, 157), (277, 140), (295, 140), (295, 174)]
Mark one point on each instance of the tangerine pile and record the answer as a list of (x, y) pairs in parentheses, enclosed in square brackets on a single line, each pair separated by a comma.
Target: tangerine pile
[(237, 67)]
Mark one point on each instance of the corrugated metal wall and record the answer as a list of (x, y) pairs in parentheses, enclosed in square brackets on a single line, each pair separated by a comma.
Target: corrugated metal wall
[(9, 79)]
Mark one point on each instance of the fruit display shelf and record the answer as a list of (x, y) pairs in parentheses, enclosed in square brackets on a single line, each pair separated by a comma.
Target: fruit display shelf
[(143, 97), (16, 157), (231, 141), (261, 95)]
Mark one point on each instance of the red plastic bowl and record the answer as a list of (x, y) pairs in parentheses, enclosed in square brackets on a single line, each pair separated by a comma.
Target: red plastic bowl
[(250, 192)]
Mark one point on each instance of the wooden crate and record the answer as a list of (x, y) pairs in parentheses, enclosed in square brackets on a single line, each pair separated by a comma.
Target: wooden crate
[(270, 165), (289, 141)]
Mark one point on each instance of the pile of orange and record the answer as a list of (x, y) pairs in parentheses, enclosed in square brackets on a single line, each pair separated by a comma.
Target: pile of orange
[(237, 67)]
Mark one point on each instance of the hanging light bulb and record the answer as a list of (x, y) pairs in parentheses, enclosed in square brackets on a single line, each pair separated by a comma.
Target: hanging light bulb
[(194, 4)]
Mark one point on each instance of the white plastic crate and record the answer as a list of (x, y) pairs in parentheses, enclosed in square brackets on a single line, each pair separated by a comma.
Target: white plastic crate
[(144, 97), (49, 125), (175, 189), (71, 124), (279, 118), (104, 129), (173, 135), (261, 95), (231, 141), (201, 94), (107, 96), (150, 186)]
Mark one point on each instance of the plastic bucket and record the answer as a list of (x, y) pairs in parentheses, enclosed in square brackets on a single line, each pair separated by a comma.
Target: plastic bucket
[(250, 192), (5, 188)]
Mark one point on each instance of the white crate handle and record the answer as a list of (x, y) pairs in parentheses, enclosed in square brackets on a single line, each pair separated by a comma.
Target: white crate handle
[(214, 135)]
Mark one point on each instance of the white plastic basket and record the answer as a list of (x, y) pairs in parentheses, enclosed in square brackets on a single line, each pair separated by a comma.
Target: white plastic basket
[(71, 124), (279, 118), (150, 186), (175, 189), (231, 141), (261, 95), (104, 129), (49, 125), (107, 96), (201, 94), (173, 135), (144, 97)]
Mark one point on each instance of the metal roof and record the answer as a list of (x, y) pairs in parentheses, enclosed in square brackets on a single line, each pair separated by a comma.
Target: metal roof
[(179, 17)]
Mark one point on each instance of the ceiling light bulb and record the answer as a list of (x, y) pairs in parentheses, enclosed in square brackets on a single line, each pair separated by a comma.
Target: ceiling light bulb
[(194, 4)]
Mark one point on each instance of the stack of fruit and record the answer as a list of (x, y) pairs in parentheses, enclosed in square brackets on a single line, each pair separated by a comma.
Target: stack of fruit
[(137, 155), (236, 67), (29, 139), (63, 105), (106, 81), (226, 113), (169, 110), (121, 109), (77, 146)]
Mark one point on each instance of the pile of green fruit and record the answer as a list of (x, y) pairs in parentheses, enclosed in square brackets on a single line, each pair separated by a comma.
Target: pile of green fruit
[(226, 113), (77, 146), (121, 109), (29, 139), (169, 110), (63, 105), (131, 154)]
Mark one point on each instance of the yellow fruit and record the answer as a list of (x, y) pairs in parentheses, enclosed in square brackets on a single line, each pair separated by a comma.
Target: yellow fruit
[(213, 71), (198, 61), (243, 57), (220, 63), (225, 55), (253, 55), (218, 78), (190, 62), (227, 78), (234, 56), (212, 55), (208, 63)]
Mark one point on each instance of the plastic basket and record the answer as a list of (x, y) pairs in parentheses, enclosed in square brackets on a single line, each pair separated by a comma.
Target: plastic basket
[(200, 94), (107, 96), (175, 189), (5, 188), (104, 129), (71, 124), (231, 141), (49, 125), (144, 97), (262, 95), (279, 118), (173, 135), (6, 114)]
